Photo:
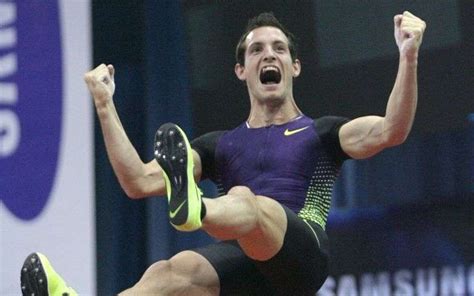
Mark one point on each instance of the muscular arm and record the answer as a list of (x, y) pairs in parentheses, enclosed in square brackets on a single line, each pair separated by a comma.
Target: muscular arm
[(138, 179), (368, 135)]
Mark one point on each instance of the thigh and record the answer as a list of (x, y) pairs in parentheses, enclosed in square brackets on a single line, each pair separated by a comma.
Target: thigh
[(238, 274), (301, 266)]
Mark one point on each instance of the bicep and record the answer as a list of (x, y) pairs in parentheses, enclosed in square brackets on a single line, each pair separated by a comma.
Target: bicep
[(362, 137), (152, 182)]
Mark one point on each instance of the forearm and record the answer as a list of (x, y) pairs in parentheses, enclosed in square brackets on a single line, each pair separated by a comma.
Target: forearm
[(368, 135), (136, 178), (401, 106)]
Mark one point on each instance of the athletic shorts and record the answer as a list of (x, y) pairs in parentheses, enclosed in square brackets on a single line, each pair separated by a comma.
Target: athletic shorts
[(299, 268)]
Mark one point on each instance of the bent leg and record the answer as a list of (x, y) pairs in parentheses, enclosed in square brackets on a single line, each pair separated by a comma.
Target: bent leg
[(187, 273), (257, 222)]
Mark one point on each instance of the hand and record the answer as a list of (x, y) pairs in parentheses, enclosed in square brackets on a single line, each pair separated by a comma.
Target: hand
[(409, 31), (100, 82)]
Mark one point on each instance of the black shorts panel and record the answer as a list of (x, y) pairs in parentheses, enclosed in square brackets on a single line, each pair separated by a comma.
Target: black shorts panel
[(238, 274), (299, 268)]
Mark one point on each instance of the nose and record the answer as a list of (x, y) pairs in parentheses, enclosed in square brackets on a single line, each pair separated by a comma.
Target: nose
[(269, 54)]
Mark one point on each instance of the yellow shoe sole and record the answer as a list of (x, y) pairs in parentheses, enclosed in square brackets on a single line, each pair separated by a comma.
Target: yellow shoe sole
[(174, 155)]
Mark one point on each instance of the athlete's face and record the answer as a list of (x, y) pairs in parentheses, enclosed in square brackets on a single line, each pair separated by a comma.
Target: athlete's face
[(269, 69)]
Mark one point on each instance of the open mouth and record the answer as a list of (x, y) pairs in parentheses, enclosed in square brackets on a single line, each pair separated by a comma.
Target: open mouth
[(270, 75)]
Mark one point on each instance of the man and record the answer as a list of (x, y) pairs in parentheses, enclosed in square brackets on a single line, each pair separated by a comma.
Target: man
[(276, 172)]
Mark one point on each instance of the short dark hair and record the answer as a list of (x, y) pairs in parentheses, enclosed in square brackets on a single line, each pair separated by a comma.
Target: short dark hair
[(263, 20)]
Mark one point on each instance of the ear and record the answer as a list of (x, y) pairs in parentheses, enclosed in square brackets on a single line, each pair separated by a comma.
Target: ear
[(296, 68), (239, 71)]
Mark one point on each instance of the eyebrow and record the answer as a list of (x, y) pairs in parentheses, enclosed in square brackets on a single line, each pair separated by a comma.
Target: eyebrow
[(276, 42)]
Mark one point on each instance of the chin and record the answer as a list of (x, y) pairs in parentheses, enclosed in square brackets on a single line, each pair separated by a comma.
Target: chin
[(274, 99)]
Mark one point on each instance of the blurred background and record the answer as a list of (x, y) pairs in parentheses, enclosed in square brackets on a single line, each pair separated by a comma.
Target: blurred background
[(401, 223)]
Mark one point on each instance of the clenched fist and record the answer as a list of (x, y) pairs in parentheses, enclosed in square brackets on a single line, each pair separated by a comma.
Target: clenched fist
[(409, 31), (100, 82)]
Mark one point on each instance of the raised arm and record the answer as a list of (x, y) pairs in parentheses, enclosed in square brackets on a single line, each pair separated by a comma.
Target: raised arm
[(368, 135), (138, 179)]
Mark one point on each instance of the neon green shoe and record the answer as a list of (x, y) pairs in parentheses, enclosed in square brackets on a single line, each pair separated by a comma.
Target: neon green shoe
[(38, 278), (174, 155)]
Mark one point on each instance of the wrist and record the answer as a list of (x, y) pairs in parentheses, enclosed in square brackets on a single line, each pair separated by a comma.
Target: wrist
[(409, 59), (103, 106)]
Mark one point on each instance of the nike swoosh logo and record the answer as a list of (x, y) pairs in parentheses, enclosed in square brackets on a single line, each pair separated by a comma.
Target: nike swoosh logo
[(292, 132), (173, 213)]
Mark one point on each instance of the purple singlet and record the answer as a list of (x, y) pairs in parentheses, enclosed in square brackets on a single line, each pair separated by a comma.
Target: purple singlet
[(295, 163)]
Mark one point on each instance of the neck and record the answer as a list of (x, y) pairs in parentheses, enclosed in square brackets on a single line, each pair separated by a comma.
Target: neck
[(264, 114)]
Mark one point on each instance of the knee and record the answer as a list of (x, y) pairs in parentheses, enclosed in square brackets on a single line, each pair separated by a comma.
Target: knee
[(159, 270), (159, 277), (179, 269), (185, 263), (241, 191), (242, 195)]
